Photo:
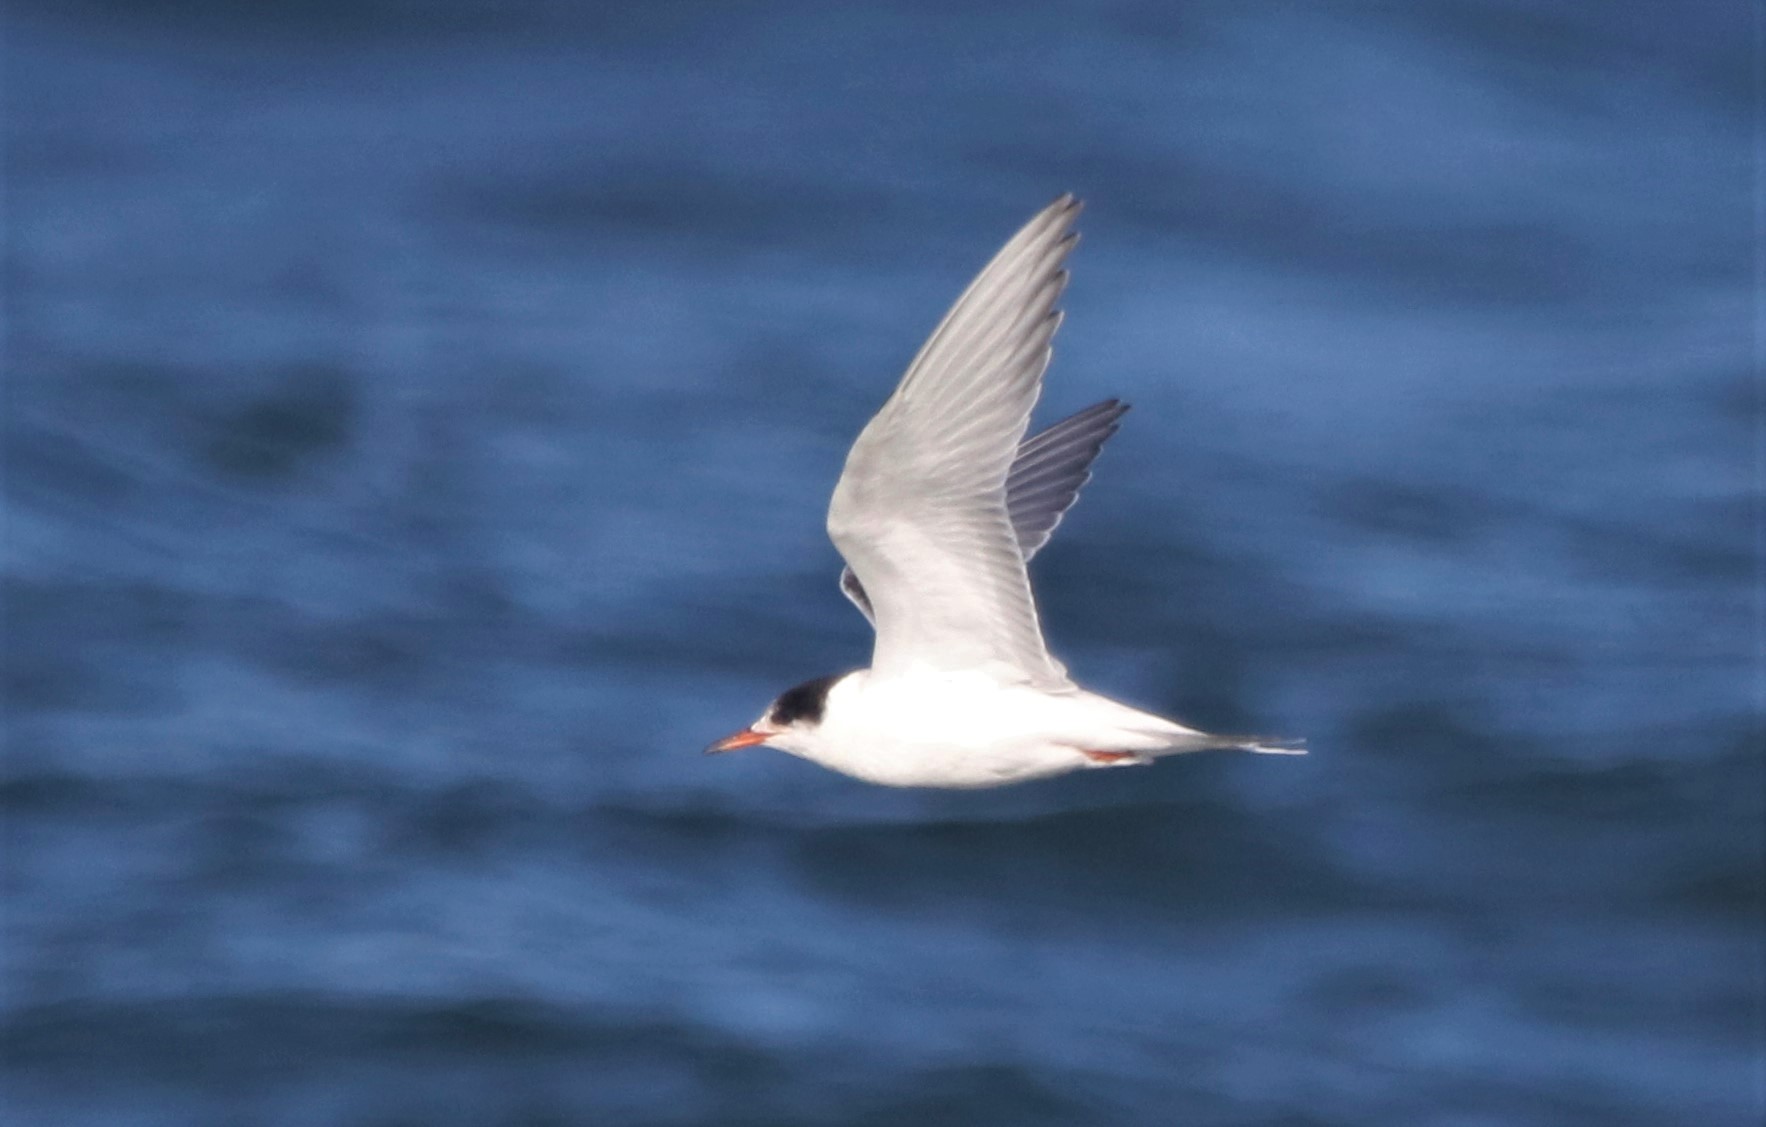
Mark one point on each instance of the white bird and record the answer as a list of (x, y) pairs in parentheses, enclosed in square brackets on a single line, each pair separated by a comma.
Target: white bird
[(940, 507)]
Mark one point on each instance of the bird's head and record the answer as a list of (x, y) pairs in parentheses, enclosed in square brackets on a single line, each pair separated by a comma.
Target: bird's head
[(790, 723)]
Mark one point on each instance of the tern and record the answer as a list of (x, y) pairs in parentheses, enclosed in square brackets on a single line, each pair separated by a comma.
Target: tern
[(939, 509)]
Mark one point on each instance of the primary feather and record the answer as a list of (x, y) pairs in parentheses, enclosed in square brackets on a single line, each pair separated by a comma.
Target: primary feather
[(920, 513)]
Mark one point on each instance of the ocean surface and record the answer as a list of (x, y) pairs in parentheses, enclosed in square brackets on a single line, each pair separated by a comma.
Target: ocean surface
[(418, 426)]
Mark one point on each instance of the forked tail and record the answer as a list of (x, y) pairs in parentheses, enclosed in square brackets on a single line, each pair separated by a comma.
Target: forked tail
[(1155, 735), (1269, 745), (1207, 741)]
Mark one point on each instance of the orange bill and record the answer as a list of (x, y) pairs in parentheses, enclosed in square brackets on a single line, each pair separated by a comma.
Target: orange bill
[(747, 737)]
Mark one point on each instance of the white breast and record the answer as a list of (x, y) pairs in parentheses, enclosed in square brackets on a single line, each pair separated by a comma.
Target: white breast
[(967, 729)]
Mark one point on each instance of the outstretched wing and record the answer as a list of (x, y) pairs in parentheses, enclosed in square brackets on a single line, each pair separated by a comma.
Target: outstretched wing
[(1046, 476), (920, 512)]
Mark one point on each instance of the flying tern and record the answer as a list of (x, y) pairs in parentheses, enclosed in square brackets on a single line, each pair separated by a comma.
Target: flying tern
[(941, 505)]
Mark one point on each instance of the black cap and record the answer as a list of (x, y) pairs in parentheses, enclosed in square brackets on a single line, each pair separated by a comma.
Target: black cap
[(805, 702)]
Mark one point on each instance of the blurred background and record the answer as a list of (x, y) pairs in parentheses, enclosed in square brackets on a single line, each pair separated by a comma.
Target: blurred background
[(419, 423)]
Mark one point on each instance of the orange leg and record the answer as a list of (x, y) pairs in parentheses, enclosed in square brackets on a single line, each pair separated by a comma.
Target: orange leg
[(1108, 756)]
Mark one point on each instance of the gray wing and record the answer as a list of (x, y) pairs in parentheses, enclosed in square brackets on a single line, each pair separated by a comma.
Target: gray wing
[(1051, 468), (920, 511), (1047, 474)]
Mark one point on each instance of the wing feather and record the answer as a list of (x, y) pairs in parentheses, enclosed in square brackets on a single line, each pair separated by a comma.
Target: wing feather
[(1050, 470), (1047, 474), (920, 512)]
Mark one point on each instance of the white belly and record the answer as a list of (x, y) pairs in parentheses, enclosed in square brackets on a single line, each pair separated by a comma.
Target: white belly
[(970, 730)]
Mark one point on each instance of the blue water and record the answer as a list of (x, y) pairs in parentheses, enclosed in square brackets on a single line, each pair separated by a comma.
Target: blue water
[(419, 422)]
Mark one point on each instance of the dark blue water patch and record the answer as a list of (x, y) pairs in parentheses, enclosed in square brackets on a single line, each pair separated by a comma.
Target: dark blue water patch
[(309, 414), (57, 626), (1735, 402), (504, 1060), (1358, 992), (701, 211), (55, 461), (324, 24), (314, 30), (1146, 590), (46, 466), (390, 652), (261, 1052), (1668, 778), (1718, 872), (514, 1060), (1624, 992), (65, 682), (470, 819), (1256, 213), (1165, 862), (1726, 887), (1566, 51), (1702, 547), (984, 1094), (43, 156), (1427, 736), (193, 430), (58, 635), (776, 632), (1647, 843), (1439, 516), (1639, 794)]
